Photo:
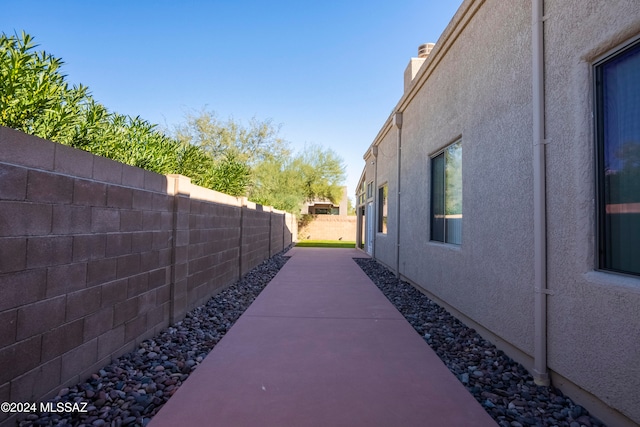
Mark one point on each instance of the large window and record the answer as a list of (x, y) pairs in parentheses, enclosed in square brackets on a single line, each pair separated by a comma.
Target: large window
[(446, 195), (618, 153), (383, 207)]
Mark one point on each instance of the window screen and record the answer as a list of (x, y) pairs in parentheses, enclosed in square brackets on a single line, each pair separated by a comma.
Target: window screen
[(618, 145)]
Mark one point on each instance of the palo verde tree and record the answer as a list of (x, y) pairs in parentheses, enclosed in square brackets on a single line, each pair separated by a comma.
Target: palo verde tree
[(286, 183), (252, 144), (277, 177)]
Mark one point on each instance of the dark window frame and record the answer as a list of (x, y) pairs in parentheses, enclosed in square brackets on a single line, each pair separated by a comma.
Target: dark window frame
[(383, 205), (369, 190), (444, 228), (604, 251)]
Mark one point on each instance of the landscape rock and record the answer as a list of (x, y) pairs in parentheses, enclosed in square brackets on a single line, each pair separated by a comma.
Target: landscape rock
[(133, 388), (503, 387)]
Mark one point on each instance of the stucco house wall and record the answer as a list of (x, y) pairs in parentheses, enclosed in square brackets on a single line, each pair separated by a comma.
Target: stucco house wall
[(481, 277), (594, 317), (366, 228), (476, 87), (386, 175)]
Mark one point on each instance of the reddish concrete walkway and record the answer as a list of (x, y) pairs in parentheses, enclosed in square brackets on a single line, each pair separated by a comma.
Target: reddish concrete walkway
[(322, 346)]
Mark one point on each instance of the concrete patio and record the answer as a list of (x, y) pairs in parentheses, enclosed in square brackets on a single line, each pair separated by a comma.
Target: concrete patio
[(322, 346)]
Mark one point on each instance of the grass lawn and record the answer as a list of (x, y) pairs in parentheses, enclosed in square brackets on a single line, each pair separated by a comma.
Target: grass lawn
[(325, 244)]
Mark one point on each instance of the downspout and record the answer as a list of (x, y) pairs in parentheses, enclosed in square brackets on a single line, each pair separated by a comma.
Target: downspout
[(397, 121), (540, 373), (374, 237), (358, 219)]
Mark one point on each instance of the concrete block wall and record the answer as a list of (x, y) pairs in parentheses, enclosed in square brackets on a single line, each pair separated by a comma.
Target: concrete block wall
[(96, 256), (276, 236), (255, 236), (290, 229), (214, 234), (329, 227), (85, 256)]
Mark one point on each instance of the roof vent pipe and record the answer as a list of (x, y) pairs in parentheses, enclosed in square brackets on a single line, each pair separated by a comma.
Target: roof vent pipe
[(425, 49)]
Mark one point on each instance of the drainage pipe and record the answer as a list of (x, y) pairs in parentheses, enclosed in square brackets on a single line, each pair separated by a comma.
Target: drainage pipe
[(540, 373), (397, 121), (376, 199)]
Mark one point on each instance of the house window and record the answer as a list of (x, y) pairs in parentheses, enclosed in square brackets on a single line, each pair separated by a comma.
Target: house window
[(383, 207), (369, 190), (361, 198), (618, 154), (446, 195)]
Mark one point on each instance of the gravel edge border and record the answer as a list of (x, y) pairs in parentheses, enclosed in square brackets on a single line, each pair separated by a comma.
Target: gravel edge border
[(132, 388), (503, 387)]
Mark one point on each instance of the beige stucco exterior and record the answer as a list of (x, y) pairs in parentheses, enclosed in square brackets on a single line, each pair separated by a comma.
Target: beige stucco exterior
[(476, 86)]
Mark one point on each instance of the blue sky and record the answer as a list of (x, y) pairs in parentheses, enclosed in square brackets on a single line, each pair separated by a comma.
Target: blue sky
[(329, 72)]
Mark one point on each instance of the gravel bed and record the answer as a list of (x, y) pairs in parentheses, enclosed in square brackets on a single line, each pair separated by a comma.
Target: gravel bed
[(133, 388), (503, 387)]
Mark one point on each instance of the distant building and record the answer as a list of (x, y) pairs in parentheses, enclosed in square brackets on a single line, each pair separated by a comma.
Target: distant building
[(325, 207), (506, 185)]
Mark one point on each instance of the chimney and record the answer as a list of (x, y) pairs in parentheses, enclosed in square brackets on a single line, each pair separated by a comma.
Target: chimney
[(425, 49), (415, 63)]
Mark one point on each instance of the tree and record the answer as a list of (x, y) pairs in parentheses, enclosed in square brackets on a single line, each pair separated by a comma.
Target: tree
[(276, 177), (226, 156), (36, 99), (252, 144), (316, 173), (276, 183), (231, 176), (351, 209), (321, 172)]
